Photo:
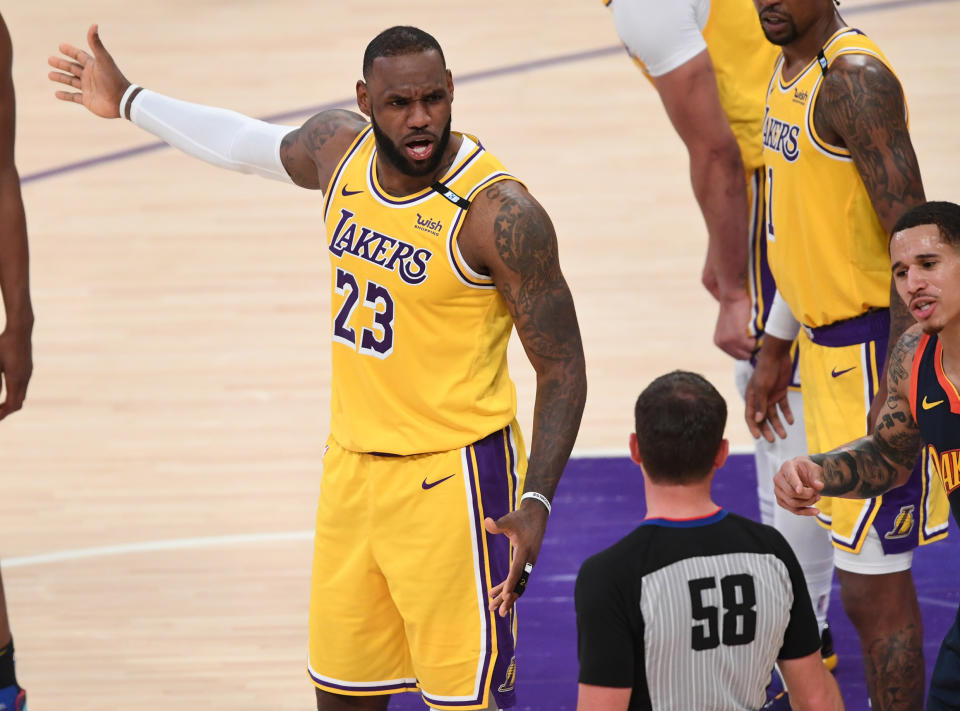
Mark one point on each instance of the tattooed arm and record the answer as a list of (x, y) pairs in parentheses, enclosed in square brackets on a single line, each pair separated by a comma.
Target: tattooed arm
[(861, 106), (509, 236), (870, 465), (311, 153)]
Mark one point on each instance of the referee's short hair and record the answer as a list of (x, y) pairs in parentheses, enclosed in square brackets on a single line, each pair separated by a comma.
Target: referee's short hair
[(680, 419)]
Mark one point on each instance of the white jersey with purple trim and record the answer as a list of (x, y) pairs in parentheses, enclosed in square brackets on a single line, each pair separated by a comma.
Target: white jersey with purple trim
[(419, 338)]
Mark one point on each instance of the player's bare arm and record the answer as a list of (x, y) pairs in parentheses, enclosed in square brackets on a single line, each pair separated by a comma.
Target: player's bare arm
[(16, 360), (861, 107), (690, 96), (308, 155), (509, 236), (871, 465)]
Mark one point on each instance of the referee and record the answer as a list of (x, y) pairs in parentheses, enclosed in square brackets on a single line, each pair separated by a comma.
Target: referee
[(693, 608)]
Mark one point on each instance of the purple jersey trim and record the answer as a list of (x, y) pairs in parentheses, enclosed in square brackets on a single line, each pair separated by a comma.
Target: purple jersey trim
[(871, 326), (404, 685), (451, 239), (496, 478)]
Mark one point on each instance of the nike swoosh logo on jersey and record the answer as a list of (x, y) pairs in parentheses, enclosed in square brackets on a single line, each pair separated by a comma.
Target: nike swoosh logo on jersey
[(432, 484), (348, 193), (837, 373), (930, 405)]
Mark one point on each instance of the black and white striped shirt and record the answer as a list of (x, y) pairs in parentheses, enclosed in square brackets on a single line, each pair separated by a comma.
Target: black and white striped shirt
[(693, 614)]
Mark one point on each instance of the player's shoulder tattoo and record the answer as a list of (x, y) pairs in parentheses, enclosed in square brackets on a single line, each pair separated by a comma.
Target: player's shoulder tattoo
[(526, 243), (522, 231), (854, 84), (312, 151), (862, 102)]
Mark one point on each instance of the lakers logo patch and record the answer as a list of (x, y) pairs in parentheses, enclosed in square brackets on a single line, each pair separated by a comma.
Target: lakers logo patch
[(903, 524), (510, 678)]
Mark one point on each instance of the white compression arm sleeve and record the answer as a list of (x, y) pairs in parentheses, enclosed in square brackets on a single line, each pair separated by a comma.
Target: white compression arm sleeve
[(780, 321), (217, 136)]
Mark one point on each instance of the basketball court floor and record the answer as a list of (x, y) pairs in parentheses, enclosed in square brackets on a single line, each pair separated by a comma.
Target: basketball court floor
[(158, 489)]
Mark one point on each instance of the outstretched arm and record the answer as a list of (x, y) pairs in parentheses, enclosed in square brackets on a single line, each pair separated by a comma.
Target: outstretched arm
[(305, 156), (861, 104), (16, 360), (509, 236), (871, 465), (690, 96)]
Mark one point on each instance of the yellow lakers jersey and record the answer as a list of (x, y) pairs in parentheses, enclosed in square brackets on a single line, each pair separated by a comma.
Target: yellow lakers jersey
[(419, 339), (742, 60), (826, 246)]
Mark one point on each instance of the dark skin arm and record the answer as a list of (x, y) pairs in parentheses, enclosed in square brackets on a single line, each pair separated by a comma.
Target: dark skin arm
[(690, 96), (16, 359), (871, 465), (861, 107), (509, 236)]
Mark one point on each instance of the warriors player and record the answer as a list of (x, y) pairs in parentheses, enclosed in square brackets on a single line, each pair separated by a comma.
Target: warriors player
[(436, 253), (840, 171), (711, 64), (16, 362), (921, 415), (692, 609)]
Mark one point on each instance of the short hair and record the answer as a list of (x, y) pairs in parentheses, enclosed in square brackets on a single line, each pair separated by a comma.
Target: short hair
[(945, 215), (398, 40), (680, 419)]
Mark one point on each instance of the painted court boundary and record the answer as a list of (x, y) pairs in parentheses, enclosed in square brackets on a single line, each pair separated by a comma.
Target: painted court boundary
[(527, 66)]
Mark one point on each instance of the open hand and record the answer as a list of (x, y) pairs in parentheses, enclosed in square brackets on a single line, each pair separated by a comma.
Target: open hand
[(100, 82)]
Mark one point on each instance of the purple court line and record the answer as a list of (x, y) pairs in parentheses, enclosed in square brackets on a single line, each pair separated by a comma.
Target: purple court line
[(463, 79)]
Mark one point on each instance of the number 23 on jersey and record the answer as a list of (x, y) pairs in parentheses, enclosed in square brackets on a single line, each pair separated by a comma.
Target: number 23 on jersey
[(377, 339)]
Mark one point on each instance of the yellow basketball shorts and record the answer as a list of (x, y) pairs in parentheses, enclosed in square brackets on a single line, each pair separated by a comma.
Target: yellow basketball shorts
[(402, 568), (840, 380)]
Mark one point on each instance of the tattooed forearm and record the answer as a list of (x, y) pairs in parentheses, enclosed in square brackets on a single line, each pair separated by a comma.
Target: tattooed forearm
[(539, 299), (874, 464), (556, 420), (862, 105)]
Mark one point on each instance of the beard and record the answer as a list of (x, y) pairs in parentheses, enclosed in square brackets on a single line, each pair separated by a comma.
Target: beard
[(788, 35), (398, 159)]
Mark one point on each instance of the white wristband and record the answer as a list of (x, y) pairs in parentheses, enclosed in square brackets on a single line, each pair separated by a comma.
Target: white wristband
[(539, 497), (125, 100), (780, 321)]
